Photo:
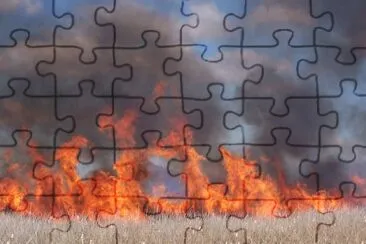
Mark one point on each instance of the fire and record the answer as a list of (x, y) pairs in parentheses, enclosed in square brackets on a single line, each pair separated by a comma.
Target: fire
[(59, 189)]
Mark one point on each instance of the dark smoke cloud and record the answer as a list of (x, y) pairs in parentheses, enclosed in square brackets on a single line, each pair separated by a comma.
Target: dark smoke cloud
[(16, 63), (347, 34), (84, 109), (348, 28)]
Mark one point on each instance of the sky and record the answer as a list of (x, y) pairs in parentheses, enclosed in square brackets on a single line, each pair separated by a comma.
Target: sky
[(283, 56)]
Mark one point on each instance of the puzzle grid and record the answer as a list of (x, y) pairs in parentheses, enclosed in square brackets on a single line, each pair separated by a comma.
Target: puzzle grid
[(273, 81)]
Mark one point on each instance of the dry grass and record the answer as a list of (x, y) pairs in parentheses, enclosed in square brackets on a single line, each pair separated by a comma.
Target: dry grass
[(349, 227)]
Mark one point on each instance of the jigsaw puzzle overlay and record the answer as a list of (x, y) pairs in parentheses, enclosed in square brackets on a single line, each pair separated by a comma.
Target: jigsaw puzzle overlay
[(116, 109)]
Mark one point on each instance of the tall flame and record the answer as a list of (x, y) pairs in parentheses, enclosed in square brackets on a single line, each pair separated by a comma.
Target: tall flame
[(59, 189)]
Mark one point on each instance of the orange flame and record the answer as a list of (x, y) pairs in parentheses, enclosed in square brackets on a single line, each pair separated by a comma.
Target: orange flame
[(121, 192)]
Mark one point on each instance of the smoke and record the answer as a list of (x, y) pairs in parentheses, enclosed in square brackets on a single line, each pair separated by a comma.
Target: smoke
[(348, 28), (303, 120), (84, 91)]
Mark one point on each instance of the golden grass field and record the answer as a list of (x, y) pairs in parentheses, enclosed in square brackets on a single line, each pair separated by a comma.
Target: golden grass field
[(349, 226)]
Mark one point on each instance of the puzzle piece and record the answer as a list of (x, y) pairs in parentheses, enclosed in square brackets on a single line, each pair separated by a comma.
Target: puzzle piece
[(348, 133), (329, 72), (33, 231), (86, 122), (17, 162), (18, 62), (128, 204), (280, 79), (85, 230), (349, 214), (130, 125), (36, 114), (148, 165), (328, 172), (149, 81), (279, 163), (230, 71), (69, 172), (136, 173), (262, 18), (99, 191), (128, 29), (348, 29), (31, 16), (181, 108), (209, 31), (207, 108), (85, 32), (24, 194), (199, 174), (273, 229), (158, 227), (139, 178), (215, 231), (257, 121), (68, 58), (82, 208)]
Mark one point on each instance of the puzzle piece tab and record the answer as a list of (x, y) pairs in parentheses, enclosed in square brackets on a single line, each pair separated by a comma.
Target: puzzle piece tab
[(85, 230), (348, 214), (19, 61), (148, 166), (148, 79), (231, 71), (279, 163), (17, 182), (103, 71), (159, 228), (328, 172), (208, 109), (85, 110), (329, 72), (129, 124), (214, 231), (199, 174), (210, 31), (280, 75), (347, 31), (34, 229), (34, 113), (271, 229), (257, 121), (37, 17), (262, 18), (85, 32), (152, 17), (349, 133)]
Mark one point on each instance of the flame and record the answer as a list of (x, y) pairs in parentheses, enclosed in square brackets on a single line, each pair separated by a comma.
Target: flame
[(57, 187)]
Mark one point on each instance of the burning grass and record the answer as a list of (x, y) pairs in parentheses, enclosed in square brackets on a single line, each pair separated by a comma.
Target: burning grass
[(348, 227), (39, 189), (123, 192)]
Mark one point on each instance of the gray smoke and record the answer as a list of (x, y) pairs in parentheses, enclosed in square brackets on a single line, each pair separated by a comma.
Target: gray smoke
[(38, 114)]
